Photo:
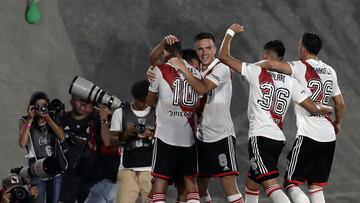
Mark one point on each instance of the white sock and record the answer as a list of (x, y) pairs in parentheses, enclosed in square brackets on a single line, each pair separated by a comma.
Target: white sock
[(275, 193), (317, 195), (159, 198), (235, 198), (251, 196), (296, 194), (206, 199), (193, 197)]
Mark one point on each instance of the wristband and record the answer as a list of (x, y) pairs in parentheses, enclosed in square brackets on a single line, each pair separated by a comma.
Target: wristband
[(230, 32), (27, 125)]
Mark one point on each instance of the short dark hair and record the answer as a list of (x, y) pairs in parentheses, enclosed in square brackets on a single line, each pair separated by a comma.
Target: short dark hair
[(189, 54), (37, 96), (276, 46), (312, 42), (204, 35), (174, 49), (139, 90)]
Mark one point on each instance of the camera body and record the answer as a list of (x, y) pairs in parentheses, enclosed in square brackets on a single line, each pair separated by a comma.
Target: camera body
[(41, 109), (140, 128)]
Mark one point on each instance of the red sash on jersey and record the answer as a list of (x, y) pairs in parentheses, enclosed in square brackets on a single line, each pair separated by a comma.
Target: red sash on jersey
[(169, 74), (311, 74), (204, 97), (265, 77)]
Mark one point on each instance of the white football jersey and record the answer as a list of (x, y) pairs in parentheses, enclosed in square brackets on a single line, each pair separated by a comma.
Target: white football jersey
[(320, 81), (215, 120), (176, 104), (269, 98)]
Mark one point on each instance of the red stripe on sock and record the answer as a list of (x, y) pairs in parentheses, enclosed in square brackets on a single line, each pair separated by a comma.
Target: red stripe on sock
[(272, 189), (315, 191)]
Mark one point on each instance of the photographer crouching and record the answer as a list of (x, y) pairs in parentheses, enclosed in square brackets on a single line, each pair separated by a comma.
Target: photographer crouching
[(15, 190), (134, 124), (38, 134)]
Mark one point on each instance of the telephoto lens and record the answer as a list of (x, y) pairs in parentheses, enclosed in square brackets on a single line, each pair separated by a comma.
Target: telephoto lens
[(90, 92)]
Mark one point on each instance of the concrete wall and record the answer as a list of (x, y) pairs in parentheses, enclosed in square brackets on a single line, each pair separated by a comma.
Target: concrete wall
[(108, 42)]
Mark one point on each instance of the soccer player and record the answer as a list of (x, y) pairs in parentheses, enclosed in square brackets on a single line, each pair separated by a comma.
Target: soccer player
[(215, 134), (174, 152), (269, 98), (312, 154)]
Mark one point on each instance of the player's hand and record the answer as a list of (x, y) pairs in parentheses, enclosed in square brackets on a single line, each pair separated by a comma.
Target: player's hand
[(176, 62), (337, 127), (237, 28), (150, 74), (170, 40), (31, 112)]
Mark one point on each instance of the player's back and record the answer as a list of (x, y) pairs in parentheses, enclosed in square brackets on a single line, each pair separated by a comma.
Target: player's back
[(320, 81), (269, 98), (177, 101)]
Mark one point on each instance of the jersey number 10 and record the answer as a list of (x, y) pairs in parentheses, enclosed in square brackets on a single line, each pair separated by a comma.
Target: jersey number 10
[(184, 94)]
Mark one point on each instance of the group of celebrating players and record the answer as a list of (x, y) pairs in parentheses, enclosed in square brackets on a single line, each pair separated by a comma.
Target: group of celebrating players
[(195, 137)]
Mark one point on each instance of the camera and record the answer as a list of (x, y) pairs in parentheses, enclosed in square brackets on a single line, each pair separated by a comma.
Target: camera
[(41, 109), (88, 91), (56, 110), (42, 168), (19, 194), (140, 128)]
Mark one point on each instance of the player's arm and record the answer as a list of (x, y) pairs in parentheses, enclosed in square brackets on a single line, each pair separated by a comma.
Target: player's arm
[(315, 109), (200, 86), (339, 106), (278, 66), (156, 55), (224, 53), (152, 96)]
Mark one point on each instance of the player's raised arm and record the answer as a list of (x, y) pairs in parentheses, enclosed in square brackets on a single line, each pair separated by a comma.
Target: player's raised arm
[(224, 53), (278, 66), (156, 55), (200, 86)]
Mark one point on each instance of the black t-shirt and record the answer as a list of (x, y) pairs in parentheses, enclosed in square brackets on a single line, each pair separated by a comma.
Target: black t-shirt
[(84, 150)]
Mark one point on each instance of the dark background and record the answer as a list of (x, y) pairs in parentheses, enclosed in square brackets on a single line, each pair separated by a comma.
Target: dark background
[(108, 42)]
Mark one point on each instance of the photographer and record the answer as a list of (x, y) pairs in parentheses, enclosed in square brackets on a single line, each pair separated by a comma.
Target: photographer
[(14, 190), (91, 163), (38, 133), (134, 124)]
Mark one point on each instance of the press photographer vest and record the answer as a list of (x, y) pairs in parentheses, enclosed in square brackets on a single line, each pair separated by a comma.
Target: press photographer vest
[(42, 140), (137, 152)]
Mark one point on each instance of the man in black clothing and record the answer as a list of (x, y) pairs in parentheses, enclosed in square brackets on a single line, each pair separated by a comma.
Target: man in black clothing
[(84, 131)]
